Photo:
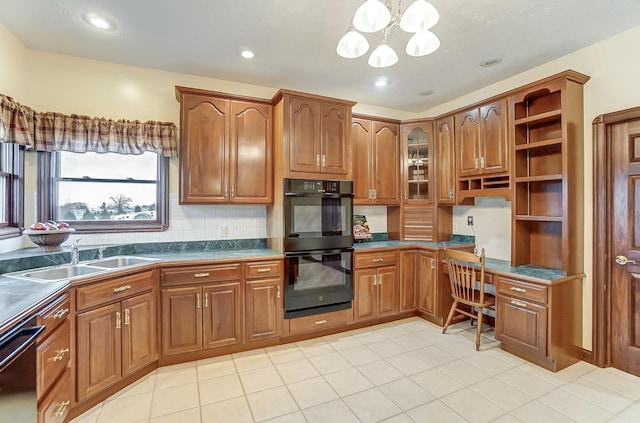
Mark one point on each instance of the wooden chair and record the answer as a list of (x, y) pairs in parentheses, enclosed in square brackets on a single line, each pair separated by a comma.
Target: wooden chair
[(467, 288)]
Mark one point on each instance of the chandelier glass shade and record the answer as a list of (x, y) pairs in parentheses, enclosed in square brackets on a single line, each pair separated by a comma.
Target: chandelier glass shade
[(376, 15)]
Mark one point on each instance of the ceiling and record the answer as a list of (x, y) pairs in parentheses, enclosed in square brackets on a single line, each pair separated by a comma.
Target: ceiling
[(295, 41)]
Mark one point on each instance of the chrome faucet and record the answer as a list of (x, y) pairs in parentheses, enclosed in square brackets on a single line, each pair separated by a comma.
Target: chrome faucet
[(101, 253), (75, 253)]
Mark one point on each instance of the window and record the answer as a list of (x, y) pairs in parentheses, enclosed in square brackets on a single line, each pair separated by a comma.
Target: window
[(11, 189), (105, 192)]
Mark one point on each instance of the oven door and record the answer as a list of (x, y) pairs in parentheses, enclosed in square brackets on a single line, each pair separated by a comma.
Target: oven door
[(317, 282)]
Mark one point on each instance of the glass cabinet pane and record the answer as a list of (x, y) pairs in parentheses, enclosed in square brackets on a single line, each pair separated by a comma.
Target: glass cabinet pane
[(418, 165)]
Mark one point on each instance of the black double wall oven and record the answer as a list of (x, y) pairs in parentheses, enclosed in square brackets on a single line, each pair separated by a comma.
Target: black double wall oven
[(318, 244)]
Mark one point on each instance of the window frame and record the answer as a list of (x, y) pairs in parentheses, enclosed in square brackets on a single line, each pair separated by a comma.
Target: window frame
[(15, 191), (48, 178)]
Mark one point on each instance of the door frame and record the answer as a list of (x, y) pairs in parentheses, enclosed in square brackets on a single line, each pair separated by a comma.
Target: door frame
[(602, 230)]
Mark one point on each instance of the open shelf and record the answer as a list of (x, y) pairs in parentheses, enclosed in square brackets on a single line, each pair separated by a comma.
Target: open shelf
[(539, 243), (539, 119), (539, 218), (539, 144), (540, 178)]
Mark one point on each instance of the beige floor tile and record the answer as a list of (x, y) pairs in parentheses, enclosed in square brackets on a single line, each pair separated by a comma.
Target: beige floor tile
[(472, 406), (371, 406), (367, 337), (613, 402), (284, 353), (511, 359), (180, 374), (434, 356), (386, 348), (359, 354), (187, 416), (251, 360), (296, 417), (406, 393), (380, 372), (312, 349), (128, 409), (458, 347), (330, 412), (220, 389), (234, 410), (507, 418), (410, 342), (340, 341), (464, 372), (435, 411), (408, 363), (347, 382), (171, 400), (501, 394), (271, 403), (295, 371), (260, 379), (536, 412), (400, 418), (575, 407), (489, 363), (414, 325), (142, 386), (617, 381), (437, 382), (310, 392), (392, 331), (632, 413), (89, 416), (556, 378), (526, 382), (215, 367), (329, 363)]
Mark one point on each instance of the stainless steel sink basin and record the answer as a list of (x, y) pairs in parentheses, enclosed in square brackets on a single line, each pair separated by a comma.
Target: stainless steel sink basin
[(59, 273), (122, 261)]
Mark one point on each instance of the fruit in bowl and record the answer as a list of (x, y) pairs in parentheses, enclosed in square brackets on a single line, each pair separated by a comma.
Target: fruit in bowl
[(48, 236)]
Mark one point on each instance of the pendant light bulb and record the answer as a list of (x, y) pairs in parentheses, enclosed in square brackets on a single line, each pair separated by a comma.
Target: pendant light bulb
[(420, 16), (352, 45), (383, 56), (422, 43), (371, 16)]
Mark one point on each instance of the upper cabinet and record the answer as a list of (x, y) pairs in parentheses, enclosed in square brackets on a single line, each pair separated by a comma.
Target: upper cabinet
[(315, 135), (418, 153), (221, 138), (445, 163), (376, 161)]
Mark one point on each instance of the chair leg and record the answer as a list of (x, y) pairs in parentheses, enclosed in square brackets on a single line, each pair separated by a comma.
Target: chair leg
[(479, 329), (451, 312)]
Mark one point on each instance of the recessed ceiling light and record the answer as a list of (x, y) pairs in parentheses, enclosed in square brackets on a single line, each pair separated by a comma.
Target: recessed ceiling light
[(491, 62), (98, 21), (426, 93), (382, 82), (247, 54)]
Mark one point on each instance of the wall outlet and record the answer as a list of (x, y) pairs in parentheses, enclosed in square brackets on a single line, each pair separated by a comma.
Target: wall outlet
[(222, 231), (455, 228), (469, 220)]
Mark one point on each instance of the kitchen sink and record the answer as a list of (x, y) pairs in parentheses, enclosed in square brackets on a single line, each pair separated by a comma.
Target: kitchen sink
[(122, 261), (59, 273)]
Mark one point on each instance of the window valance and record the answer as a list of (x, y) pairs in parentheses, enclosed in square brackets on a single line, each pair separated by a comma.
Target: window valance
[(52, 131)]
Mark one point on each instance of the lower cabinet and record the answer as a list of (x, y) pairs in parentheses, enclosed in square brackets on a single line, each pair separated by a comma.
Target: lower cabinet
[(116, 339), (428, 273), (376, 285), (263, 300), (409, 274), (55, 406)]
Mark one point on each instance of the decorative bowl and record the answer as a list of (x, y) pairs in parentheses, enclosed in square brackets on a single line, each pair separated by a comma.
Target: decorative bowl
[(49, 240)]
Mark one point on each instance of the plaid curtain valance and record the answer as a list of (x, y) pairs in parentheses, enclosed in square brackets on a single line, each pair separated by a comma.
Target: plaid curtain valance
[(51, 131)]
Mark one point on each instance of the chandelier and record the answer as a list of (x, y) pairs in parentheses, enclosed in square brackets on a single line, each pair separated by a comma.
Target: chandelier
[(374, 16)]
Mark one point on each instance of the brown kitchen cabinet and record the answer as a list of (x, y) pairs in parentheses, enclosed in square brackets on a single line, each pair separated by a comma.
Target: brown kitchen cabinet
[(445, 163), (314, 133), (409, 274), (263, 300), (221, 137), (376, 285), (418, 162), (201, 308), (55, 407), (376, 160), (117, 338), (428, 271)]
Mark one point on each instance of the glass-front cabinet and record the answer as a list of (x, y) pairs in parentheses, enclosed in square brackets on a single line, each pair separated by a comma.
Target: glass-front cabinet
[(418, 146)]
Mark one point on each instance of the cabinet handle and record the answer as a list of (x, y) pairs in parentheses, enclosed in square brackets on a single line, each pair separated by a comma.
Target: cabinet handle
[(201, 275), (324, 160), (380, 280), (59, 355), (482, 162), (518, 303), (121, 288), (225, 192), (118, 320), (370, 194), (264, 270), (321, 322), (433, 263), (206, 300), (278, 291), (375, 194), (405, 194), (60, 410), (450, 193), (317, 159), (377, 260), (197, 300), (126, 317), (515, 288), (375, 279), (233, 191), (475, 163), (60, 313)]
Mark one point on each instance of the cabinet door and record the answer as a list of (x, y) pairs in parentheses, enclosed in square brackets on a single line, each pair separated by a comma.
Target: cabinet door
[(139, 332), (204, 155), (251, 157), (408, 276), (418, 147), (521, 324), (304, 135), (445, 162), (263, 305), (467, 142), (335, 148), (98, 358), (222, 315), (386, 155), (428, 282), (494, 150), (361, 135), (364, 301), (181, 320), (388, 291)]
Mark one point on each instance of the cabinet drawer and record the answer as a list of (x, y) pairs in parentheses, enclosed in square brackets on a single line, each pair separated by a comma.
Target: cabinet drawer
[(106, 291), (53, 315), (522, 324), (385, 258), (319, 322), (191, 275), (53, 357), (527, 291), (263, 269), (55, 407)]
